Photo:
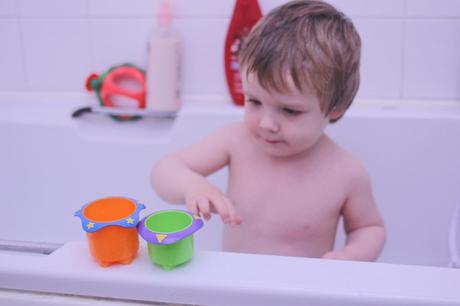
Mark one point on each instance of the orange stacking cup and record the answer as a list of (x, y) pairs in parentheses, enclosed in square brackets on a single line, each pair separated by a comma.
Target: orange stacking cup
[(110, 224)]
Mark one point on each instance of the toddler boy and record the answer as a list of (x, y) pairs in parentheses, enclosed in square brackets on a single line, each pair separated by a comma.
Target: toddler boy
[(289, 183)]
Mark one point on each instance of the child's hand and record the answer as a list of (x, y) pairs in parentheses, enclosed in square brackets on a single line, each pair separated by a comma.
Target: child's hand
[(339, 255), (205, 199)]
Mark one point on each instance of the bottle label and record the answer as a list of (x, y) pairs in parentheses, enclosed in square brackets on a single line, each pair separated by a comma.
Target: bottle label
[(235, 49), (235, 65)]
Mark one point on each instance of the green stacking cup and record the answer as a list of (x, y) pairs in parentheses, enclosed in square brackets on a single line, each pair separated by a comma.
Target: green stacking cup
[(169, 236)]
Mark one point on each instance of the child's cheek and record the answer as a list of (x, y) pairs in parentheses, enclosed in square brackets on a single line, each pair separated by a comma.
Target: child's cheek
[(250, 120)]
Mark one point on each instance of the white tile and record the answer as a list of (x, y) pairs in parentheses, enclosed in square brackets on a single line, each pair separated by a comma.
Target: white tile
[(117, 41), (203, 8), (432, 59), (203, 56), (381, 58), (354, 8), (8, 8), (123, 8), (433, 8), (268, 5), (149, 8), (56, 53), (370, 8), (56, 8), (11, 61)]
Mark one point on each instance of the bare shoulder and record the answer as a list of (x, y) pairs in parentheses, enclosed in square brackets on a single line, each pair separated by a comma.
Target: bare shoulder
[(212, 152), (222, 135), (230, 135), (232, 131), (220, 142), (351, 167)]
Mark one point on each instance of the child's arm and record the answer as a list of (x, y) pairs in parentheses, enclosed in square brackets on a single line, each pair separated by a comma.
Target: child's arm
[(362, 221), (180, 177)]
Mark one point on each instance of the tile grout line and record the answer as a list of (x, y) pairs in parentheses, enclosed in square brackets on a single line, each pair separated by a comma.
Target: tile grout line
[(403, 51), (22, 46), (91, 47)]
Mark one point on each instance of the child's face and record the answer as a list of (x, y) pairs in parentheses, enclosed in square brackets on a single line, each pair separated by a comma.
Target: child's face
[(283, 124)]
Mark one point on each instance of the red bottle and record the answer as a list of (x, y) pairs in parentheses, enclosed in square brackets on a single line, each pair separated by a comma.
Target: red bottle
[(245, 16)]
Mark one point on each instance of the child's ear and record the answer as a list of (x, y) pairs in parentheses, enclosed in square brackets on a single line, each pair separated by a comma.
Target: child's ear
[(335, 114)]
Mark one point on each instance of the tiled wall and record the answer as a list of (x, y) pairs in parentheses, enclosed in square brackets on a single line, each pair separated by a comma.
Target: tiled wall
[(411, 48)]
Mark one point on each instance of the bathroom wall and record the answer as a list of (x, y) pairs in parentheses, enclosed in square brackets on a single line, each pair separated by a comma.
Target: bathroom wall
[(411, 48)]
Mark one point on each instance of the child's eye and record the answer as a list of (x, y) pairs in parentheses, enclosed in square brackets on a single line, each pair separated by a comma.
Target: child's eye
[(291, 112), (253, 102)]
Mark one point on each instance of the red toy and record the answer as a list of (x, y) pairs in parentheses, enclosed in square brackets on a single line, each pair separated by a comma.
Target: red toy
[(109, 84)]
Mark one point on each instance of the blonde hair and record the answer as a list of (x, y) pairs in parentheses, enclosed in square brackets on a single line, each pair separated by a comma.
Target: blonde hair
[(314, 44)]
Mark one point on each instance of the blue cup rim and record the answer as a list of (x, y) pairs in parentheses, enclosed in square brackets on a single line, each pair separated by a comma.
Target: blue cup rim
[(91, 226)]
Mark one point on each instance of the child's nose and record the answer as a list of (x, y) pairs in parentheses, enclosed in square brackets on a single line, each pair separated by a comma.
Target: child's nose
[(267, 122)]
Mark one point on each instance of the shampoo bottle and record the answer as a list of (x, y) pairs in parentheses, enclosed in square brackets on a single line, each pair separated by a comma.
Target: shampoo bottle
[(163, 69), (245, 15)]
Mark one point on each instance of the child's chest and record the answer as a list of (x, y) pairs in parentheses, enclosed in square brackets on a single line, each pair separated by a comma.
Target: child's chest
[(286, 200)]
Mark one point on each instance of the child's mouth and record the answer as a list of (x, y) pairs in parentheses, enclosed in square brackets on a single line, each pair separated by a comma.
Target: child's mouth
[(271, 141)]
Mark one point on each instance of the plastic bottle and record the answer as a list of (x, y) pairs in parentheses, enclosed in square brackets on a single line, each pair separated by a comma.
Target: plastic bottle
[(163, 69), (245, 15)]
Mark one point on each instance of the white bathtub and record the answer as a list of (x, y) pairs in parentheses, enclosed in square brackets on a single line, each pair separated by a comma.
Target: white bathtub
[(51, 165)]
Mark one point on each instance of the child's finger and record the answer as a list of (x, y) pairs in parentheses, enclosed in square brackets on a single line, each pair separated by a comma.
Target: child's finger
[(234, 219), (192, 206), (221, 207), (204, 208), (331, 255)]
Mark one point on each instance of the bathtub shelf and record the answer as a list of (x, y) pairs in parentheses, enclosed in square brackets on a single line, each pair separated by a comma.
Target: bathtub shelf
[(28, 246), (123, 112)]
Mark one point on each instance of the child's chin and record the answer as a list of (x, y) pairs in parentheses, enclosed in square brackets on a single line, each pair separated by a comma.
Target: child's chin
[(284, 152), (278, 152)]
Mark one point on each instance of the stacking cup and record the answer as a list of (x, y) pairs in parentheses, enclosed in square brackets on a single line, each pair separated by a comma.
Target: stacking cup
[(169, 236), (110, 224)]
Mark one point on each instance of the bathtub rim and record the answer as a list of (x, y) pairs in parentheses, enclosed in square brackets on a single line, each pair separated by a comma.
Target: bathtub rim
[(318, 281)]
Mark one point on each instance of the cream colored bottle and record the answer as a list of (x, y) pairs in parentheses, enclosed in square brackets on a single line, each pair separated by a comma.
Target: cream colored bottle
[(163, 69)]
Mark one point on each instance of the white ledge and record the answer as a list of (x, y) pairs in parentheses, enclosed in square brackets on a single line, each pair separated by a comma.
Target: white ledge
[(56, 108), (218, 278)]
